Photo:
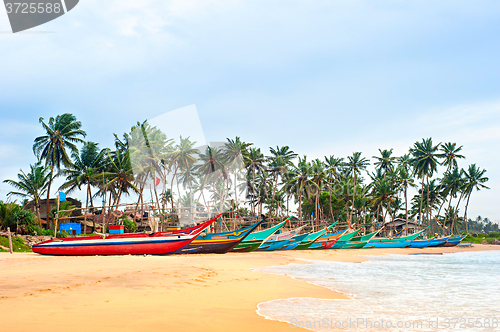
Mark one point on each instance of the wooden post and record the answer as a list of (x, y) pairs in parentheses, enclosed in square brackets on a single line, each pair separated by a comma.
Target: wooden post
[(10, 239), (56, 217)]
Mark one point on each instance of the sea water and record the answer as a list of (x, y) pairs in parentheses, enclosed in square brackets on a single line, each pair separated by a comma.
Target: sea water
[(449, 292)]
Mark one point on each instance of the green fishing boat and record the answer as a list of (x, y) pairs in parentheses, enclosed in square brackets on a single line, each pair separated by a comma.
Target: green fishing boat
[(359, 241), (311, 238), (398, 239), (343, 239), (354, 245), (254, 240)]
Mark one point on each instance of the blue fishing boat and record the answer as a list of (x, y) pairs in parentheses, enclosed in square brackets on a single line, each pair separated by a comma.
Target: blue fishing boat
[(427, 243)]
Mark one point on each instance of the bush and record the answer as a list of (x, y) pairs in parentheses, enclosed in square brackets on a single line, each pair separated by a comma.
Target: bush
[(130, 225), (494, 234), (37, 230)]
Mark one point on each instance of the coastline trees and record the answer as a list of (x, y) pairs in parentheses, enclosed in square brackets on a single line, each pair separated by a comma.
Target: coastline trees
[(62, 134), (31, 185), (327, 189)]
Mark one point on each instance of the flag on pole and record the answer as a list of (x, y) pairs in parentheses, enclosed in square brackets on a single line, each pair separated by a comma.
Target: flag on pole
[(62, 196)]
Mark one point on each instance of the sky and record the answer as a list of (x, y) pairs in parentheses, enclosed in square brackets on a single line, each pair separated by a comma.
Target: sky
[(323, 77)]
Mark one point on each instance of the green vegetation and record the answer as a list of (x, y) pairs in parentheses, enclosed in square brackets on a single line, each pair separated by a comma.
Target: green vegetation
[(479, 238), (18, 244)]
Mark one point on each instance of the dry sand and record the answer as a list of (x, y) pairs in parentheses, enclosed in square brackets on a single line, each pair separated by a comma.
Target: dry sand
[(157, 293)]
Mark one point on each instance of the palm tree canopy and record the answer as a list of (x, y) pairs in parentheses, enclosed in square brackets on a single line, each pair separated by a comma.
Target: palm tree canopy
[(385, 161), (32, 184), (62, 133), (424, 157), (85, 168), (474, 179), (450, 154)]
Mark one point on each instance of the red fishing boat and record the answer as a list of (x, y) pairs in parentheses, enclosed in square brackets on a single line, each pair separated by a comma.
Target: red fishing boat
[(122, 244)]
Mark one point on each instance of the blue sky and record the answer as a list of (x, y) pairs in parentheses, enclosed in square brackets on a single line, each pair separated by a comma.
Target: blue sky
[(324, 77)]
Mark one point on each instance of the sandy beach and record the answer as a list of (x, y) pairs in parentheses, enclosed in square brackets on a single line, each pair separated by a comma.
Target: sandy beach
[(153, 293)]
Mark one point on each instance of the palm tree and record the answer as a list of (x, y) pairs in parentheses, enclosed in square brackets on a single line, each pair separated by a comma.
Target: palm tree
[(254, 162), (299, 178), (62, 133), (32, 185), (182, 158), (385, 161), (474, 179), (279, 162), (318, 178), (356, 164), (85, 170), (406, 180), (453, 182), (211, 169), (424, 162), (235, 152), (333, 166)]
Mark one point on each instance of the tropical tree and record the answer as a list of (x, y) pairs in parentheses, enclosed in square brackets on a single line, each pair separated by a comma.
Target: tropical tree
[(31, 185), (299, 181), (333, 166), (355, 164), (474, 179), (254, 163), (424, 161), (84, 171), (386, 161), (62, 134), (278, 163), (235, 152)]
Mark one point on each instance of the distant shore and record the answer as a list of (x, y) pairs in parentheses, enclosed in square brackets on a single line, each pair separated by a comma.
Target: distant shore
[(159, 293)]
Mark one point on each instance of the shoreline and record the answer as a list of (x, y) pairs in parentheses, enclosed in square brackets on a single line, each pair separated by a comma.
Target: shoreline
[(196, 292)]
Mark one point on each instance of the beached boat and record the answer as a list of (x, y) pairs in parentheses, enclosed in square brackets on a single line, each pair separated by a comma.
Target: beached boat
[(397, 239), (294, 241), (392, 244), (343, 239), (354, 245), (452, 241), (255, 239), (358, 242), (427, 243), (216, 243), (326, 241), (312, 237), (401, 242), (277, 241), (122, 244)]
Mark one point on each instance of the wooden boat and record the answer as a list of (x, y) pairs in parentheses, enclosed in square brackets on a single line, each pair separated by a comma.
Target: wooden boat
[(313, 237), (452, 241), (391, 244), (427, 243), (468, 244), (401, 242), (343, 239), (216, 243), (358, 242), (277, 241), (397, 239), (255, 239), (354, 245), (123, 244), (326, 241), (294, 241)]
